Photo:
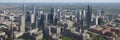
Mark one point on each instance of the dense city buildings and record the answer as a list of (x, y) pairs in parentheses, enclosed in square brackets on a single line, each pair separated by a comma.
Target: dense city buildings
[(63, 22)]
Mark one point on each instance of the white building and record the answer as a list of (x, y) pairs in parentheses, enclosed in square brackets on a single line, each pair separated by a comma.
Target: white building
[(22, 20), (32, 18)]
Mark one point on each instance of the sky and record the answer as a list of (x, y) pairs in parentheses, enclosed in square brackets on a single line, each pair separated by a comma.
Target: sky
[(60, 1)]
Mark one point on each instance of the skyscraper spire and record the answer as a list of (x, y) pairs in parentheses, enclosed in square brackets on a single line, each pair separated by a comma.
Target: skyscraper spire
[(24, 10), (34, 9)]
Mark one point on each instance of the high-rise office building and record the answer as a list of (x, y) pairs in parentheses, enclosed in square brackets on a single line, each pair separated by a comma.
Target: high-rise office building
[(30, 15), (83, 21), (52, 15), (79, 16), (22, 27), (88, 16), (41, 21), (36, 20), (33, 15), (59, 14), (95, 20), (100, 21), (39, 14), (84, 13), (11, 29), (46, 30), (22, 20)]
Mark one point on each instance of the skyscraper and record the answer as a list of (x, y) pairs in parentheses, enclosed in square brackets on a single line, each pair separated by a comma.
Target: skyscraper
[(22, 20), (95, 20), (11, 30), (36, 20), (46, 28), (52, 15), (88, 16), (33, 14), (59, 14), (83, 22), (79, 16), (30, 15)]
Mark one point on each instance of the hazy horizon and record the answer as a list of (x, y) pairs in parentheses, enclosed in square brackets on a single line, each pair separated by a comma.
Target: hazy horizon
[(59, 1)]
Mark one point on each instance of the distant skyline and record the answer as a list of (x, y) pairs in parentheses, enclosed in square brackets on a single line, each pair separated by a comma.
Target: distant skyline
[(60, 1)]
